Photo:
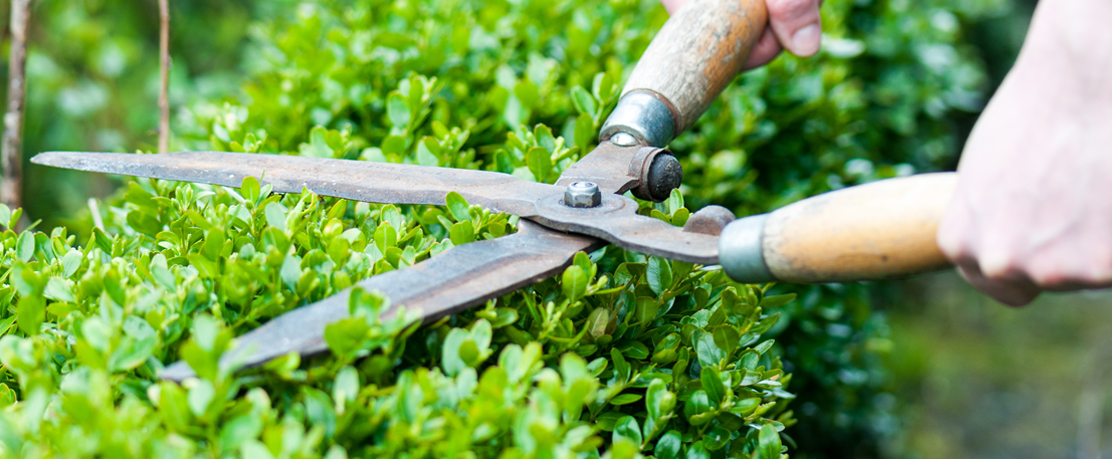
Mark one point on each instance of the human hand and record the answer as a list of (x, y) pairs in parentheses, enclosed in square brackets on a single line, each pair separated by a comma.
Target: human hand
[(794, 25), (1033, 205)]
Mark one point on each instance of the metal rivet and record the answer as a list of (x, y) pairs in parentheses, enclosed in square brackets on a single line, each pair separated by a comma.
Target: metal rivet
[(582, 195), (623, 139)]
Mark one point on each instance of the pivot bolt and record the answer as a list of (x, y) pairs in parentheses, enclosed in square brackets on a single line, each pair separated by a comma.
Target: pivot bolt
[(582, 195), (623, 139)]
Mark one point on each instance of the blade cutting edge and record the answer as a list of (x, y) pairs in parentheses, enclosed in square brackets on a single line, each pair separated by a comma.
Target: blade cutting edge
[(463, 276), (615, 220)]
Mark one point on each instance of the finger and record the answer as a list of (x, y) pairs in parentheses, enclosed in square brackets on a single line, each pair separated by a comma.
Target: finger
[(672, 5), (1011, 292), (766, 49), (797, 25)]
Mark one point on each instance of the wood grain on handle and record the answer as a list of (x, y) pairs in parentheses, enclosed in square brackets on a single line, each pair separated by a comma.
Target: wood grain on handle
[(879, 230), (697, 53)]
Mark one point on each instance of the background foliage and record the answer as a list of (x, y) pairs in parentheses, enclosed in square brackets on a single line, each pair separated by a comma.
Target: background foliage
[(450, 83)]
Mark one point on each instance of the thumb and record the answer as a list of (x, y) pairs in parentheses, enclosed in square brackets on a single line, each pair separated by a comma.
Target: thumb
[(797, 25)]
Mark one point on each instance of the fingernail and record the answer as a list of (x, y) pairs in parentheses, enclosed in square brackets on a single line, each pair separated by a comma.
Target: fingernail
[(805, 41)]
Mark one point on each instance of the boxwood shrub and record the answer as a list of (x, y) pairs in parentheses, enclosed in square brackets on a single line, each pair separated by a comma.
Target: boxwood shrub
[(621, 355)]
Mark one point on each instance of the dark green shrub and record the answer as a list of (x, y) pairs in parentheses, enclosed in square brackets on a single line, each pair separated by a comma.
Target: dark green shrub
[(619, 353)]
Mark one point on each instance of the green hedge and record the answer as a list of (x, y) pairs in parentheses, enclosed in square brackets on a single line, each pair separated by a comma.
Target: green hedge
[(620, 355)]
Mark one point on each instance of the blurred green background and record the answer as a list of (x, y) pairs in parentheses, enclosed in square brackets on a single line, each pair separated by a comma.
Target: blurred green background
[(978, 379), (966, 377)]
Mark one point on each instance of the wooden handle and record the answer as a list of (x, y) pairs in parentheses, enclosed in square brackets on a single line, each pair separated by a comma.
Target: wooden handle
[(879, 230), (697, 53)]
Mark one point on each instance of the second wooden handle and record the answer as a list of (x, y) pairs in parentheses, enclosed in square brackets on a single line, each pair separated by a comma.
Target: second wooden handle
[(874, 231), (697, 53)]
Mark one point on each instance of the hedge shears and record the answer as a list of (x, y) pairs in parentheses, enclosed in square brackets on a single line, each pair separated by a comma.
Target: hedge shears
[(875, 231)]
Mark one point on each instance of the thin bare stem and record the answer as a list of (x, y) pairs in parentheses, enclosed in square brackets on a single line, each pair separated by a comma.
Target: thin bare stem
[(11, 153), (94, 209), (164, 86)]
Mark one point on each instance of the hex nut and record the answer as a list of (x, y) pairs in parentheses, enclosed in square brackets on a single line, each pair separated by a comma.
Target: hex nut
[(664, 175), (582, 195)]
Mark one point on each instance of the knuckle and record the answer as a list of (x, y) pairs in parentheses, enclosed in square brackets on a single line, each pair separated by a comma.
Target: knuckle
[(1095, 275), (953, 245), (1069, 270), (1046, 276), (1000, 265)]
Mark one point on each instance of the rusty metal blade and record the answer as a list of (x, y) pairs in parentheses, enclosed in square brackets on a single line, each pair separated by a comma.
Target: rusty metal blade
[(357, 180), (463, 276), (616, 220)]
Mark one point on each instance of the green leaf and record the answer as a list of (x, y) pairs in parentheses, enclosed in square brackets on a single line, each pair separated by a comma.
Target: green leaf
[(646, 310), (290, 272), (451, 360), (697, 451), (385, 237), (527, 93), (254, 449), (659, 275), (584, 131), (627, 429), (458, 207), (59, 290), (712, 384), (200, 396), (674, 201), (709, 353), (603, 87), (776, 301), (699, 403), (393, 145), (132, 352), (574, 282), (625, 399), (25, 246), (238, 430), (425, 156), (655, 399), (275, 215), (584, 102), (769, 442), (397, 111), (173, 406), (635, 350), (583, 260), (668, 446), (249, 187), (716, 438), (597, 322), (30, 313), (346, 336), (319, 411), (726, 338), (539, 162), (71, 262), (462, 232), (346, 385), (621, 366), (390, 214)]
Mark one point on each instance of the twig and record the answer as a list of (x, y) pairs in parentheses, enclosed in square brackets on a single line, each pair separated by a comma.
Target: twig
[(164, 87), (11, 154), (94, 209)]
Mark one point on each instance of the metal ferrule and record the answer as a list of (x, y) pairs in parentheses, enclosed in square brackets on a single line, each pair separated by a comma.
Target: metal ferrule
[(740, 250), (643, 115)]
